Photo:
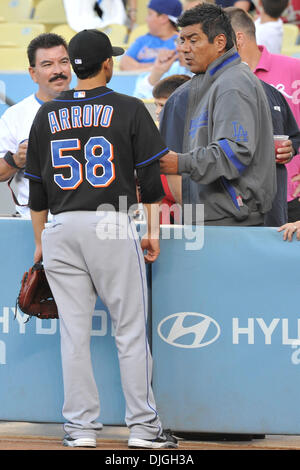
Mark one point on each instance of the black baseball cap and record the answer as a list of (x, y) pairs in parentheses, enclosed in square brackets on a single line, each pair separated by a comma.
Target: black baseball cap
[(90, 47)]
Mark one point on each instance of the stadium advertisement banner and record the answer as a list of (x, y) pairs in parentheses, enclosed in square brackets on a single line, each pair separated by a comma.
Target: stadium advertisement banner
[(226, 332), (31, 387)]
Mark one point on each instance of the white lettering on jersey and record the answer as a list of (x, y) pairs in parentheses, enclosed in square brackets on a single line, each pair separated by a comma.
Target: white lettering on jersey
[(80, 116), (64, 119), (53, 122)]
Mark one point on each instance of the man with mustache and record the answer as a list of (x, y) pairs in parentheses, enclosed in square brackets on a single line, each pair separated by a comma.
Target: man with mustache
[(49, 68)]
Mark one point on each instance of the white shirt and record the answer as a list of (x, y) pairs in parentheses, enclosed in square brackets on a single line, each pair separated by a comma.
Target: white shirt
[(15, 124), (81, 15), (270, 35)]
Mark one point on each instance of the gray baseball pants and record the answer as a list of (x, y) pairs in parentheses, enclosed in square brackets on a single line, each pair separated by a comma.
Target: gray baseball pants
[(87, 254)]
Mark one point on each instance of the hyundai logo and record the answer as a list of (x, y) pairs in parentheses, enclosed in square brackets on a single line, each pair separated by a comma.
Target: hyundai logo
[(188, 330)]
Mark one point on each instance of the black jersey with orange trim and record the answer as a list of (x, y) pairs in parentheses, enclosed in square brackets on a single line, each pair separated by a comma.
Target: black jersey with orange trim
[(85, 146)]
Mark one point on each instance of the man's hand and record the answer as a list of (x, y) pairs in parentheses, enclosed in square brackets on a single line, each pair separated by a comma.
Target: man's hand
[(163, 61), (169, 164), (285, 152), (6, 170), (20, 155), (151, 246), (289, 230), (150, 241)]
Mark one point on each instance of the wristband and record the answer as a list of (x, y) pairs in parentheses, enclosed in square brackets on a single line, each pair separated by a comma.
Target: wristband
[(9, 158)]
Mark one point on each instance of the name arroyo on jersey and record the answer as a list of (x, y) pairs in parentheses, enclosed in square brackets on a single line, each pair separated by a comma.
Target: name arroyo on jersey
[(89, 115)]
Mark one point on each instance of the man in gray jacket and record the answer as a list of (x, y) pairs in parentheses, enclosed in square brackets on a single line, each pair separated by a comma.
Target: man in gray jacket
[(227, 161)]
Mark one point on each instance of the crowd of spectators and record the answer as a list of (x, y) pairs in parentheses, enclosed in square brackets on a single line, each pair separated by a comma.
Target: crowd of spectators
[(157, 55)]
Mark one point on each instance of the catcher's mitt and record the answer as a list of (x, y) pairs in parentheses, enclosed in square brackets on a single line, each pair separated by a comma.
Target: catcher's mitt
[(35, 297)]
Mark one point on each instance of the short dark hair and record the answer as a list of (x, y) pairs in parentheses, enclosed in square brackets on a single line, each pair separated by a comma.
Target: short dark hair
[(165, 87), (213, 20), (274, 8), (241, 21), (89, 72), (44, 41)]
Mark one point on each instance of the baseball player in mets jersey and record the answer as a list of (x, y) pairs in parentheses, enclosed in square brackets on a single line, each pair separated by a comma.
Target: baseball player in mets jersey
[(84, 149)]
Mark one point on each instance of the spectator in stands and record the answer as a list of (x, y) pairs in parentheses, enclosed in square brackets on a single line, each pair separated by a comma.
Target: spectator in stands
[(269, 25), (164, 89), (50, 70), (161, 20), (131, 10), (280, 71), (227, 163), (89, 14), (284, 123), (167, 63)]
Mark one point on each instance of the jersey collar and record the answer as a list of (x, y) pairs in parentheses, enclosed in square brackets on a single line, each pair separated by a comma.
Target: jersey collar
[(38, 100)]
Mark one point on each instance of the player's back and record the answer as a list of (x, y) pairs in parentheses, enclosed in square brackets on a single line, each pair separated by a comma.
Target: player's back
[(89, 142)]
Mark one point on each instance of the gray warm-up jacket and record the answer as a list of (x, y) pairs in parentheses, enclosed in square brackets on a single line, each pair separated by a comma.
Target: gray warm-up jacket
[(227, 158)]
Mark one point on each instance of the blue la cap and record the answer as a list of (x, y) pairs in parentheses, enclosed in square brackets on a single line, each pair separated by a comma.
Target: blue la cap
[(172, 8)]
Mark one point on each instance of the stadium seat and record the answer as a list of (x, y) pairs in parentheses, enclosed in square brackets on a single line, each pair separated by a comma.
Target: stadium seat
[(35, 2), (290, 35), (142, 12), (49, 12), (138, 31), (64, 30), (117, 34), (19, 34), (293, 51), (13, 59), (15, 10)]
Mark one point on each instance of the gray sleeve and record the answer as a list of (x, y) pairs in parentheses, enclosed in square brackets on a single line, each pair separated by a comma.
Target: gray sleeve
[(234, 133)]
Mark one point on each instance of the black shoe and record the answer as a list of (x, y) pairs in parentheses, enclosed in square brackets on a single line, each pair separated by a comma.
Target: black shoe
[(164, 441)]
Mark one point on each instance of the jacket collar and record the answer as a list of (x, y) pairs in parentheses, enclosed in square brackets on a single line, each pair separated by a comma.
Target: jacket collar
[(226, 60)]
